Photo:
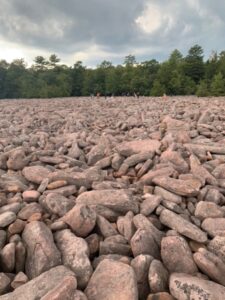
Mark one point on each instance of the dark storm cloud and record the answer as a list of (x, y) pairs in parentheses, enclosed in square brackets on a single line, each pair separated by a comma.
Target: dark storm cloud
[(143, 27), (70, 23)]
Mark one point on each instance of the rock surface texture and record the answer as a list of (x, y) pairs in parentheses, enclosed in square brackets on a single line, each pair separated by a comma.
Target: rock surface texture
[(109, 199)]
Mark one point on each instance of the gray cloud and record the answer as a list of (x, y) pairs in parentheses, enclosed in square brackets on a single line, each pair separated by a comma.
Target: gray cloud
[(101, 29)]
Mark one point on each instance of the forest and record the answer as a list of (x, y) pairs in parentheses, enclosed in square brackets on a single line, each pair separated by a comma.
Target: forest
[(178, 75)]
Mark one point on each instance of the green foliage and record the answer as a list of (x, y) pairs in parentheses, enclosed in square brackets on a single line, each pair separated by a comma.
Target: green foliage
[(218, 85), (194, 65), (178, 75), (158, 89), (202, 89)]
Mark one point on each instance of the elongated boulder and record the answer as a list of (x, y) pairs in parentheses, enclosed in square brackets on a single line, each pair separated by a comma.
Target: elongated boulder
[(75, 254), (41, 285), (180, 187), (141, 222), (35, 174), (200, 172), (211, 265), (118, 200), (184, 227), (148, 178), (64, 290), (112, 280), (42, 253), (134, 147), (187, 287)]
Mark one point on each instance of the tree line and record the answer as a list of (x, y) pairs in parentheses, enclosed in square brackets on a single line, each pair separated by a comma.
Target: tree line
[(178, 75)]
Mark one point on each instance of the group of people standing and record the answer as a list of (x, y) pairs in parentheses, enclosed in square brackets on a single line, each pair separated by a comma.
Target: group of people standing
[(110, 95)]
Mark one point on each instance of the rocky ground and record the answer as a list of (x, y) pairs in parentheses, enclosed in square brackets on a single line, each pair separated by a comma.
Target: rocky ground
[(112, 199)]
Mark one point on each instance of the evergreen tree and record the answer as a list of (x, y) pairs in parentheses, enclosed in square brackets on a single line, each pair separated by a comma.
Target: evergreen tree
[(202, 89), (194, 65), (218, 85), (158, 89)]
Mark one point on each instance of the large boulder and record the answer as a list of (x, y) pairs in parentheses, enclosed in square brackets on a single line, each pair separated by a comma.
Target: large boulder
[(183, 263), (75, 254), (41, 285), (184, 227), (112, 280), (35, 174), (42, 253), (118, 200), (134, 147), (186, 287), (81, 219)]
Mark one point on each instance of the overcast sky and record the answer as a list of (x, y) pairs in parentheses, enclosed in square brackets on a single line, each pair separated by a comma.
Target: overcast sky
[(97, 30)]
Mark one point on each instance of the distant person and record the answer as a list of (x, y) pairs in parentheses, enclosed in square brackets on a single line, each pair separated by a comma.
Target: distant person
[(98, 95), (164, 97)]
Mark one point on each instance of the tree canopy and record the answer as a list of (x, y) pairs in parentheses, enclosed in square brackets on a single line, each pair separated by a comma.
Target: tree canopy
[(178, 75)]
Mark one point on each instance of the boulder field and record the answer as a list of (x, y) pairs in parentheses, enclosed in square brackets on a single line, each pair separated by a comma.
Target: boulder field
[(112, 199)]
